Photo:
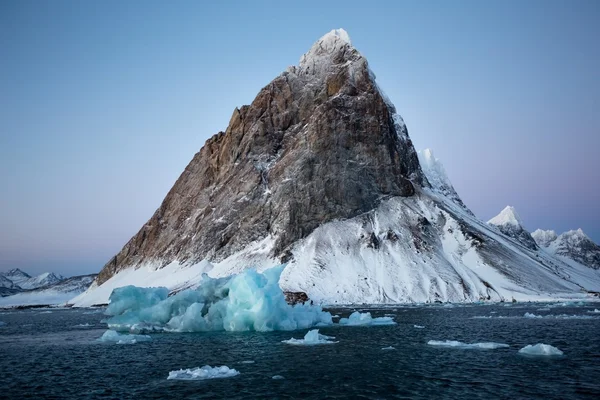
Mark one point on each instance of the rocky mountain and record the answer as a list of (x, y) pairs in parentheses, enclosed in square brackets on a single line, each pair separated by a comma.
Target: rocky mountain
[(510, 224), (319, 173), (573, 245)]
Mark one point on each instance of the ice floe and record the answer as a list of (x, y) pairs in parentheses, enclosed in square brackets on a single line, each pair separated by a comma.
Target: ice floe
[(206, 372), (388, 348), (541, 349), (454, 343), (250, 301), (530, 315), (365, 319), (594, 311), (277, 377), (115, 337), (83, 325), (311, 338), (418, 326)]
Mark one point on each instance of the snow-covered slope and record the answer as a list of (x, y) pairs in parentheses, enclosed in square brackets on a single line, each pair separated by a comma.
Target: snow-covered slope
[(510, 224), (54, 294), (6, 283), (572, 245), (339, 196)]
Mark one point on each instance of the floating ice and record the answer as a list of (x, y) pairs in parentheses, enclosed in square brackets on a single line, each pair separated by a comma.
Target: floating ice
[(311, 338), (388, 348), (418, 326), (245, 302), (277, 377), (206, 372), (92, 312), (365, 319), (595, 311), (83, 325), (530, 315), (541, 349), (247, 362), (46, 312), (2, 323), (454, 343), (114, 337)]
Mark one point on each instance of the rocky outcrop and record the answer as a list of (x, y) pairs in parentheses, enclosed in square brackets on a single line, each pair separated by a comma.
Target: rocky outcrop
[(318, 143)]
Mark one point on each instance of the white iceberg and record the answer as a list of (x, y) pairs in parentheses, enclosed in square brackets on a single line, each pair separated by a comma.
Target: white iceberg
[(311, 338), (530, 315), (388, 348), (594, 311), (247, 362), (83, 325), (115, 337), (454, 343), (250, 301), (541, 349), (365, 319), (206, 372), (277, 377), (418, 326)]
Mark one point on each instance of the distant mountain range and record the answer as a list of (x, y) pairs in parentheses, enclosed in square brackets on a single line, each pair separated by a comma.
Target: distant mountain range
[(18, 288)]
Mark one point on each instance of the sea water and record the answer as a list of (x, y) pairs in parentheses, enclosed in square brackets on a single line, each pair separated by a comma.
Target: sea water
[(58, 354)]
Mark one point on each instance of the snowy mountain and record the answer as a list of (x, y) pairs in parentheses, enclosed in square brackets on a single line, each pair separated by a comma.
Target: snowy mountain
[(52, 294), (319, 173), (573, 245), (16, 276), (22, 280), (509, 223)]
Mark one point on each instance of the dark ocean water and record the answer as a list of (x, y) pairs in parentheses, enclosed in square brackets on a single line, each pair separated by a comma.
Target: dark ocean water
[(46, 355)]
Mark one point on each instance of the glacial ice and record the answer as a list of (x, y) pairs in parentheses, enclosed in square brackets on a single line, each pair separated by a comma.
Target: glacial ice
[(277, 377), (541, 349), (388, 348), (115, 337), (245, 302), (418, 326), (365, 319), (206, 372), (311, 338), (86, 325), (461, 345)]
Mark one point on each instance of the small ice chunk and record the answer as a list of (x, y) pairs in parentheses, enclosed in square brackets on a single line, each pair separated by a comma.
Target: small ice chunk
[(115, 337), (86, 325), (595, 311), (541, 349), (247, 362), (454, 343), (277, 377), (418, 326), (365, 319), (530, 315), (46, 312), (311, 338), (206, 372), (388, 348)]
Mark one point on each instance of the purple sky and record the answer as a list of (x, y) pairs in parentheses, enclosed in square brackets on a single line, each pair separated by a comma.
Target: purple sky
[(102, 105)]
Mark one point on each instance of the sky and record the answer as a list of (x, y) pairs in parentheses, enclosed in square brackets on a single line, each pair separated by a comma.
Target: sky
[(103, 104)]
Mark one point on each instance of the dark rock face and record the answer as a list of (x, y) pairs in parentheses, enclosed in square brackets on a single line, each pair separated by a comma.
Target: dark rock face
[(320, 142), (520, 234)]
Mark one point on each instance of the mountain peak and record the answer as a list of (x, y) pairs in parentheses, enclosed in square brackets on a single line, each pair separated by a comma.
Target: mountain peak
[(544, 237), (508, 216), (334, 48)]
